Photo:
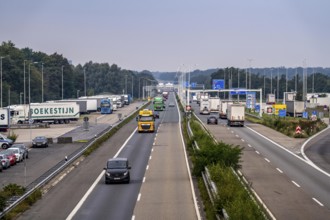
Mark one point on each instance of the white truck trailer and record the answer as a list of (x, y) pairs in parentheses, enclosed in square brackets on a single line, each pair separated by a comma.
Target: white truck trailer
[(295, 108), (204, 108), (52, 112), (223, 108), (214, 104), (235, 115), (4, 118)]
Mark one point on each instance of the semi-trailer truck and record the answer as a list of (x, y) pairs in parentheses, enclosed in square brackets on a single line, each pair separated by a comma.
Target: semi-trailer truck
[(53, 112), (146, 121), (235, 115)]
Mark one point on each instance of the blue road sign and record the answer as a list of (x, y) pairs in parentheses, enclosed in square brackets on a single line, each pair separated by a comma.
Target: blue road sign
[(282, 113), (218, 84), (305, 114)]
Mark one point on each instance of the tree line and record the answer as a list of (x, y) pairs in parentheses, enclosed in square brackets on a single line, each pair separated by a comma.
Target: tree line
[(33, 69)]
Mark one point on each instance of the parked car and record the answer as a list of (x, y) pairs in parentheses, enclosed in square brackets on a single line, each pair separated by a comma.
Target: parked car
[(23, 147), (1, 167), (117, 170), (212, 120), (4, 161), (11, 156), (5, 142), (18, 153), (171, 104), (40, 141)]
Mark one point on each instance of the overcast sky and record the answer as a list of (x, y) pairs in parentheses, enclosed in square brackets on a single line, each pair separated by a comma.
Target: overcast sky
[(168, 35)]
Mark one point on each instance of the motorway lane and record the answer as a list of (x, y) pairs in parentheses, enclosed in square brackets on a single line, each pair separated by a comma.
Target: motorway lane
[(166, 192), (117, 201), (77, 179), (260, 167), (318, 150)]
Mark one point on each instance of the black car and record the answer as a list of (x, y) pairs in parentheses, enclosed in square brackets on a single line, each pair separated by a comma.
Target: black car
[(212, 120), (117, 170), (40, 141)]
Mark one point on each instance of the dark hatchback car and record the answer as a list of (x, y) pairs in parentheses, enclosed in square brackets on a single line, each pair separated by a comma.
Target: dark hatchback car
[(40, 141), (212, 120), (117, 170)]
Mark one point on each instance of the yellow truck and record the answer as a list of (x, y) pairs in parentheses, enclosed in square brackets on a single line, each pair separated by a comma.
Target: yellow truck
[(146, 121)]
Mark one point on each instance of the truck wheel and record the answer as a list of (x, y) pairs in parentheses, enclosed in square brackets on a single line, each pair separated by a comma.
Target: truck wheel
[(4, 146)]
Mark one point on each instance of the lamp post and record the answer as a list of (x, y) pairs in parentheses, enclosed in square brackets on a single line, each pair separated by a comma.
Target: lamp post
[(85, 81), (20, 97), (62, 82), (1, 79), (24, 84), (30, 114), (42, 82)]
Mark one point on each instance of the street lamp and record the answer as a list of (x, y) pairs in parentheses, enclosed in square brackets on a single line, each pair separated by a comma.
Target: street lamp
[(85, 80), (62, 82), (20, 98), (30, 114), (42, 82), (24, 84), (1, 79)]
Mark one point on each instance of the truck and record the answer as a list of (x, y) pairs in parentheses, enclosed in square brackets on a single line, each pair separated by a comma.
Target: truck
[(159, 104), (4, 119), (214, 104), (165, 95), (146, 121), (53, 112), (235, 115), (270, 99), (127, 99), (223, 108), (204, 108), (295, 108), (106, 106)]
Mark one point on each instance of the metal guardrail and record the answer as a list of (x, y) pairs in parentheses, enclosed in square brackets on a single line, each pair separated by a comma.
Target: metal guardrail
[(211, 187), (54, 171)]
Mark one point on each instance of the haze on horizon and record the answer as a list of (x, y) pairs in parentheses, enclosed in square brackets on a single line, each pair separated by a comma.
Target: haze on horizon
[(173, 35)]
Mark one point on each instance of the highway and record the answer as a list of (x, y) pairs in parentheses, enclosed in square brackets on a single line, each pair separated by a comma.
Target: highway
[(126, 201), (289, 186)]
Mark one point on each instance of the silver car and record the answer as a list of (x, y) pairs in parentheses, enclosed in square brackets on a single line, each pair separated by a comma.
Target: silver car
[(4, 161), (23, 148)]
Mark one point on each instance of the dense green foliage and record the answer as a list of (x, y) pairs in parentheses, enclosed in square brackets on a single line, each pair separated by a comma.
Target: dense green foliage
[(9, 191), (100, 78), (220, 159)]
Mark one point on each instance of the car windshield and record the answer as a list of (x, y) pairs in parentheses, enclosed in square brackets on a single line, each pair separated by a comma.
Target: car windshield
[(116, 164), (40, 138)]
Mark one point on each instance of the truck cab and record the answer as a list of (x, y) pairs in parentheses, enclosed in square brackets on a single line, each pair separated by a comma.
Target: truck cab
[(146, 121)]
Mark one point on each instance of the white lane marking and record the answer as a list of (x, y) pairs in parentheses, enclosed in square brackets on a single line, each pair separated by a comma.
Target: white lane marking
[(249, 145), (133, 217), (266, 159), (307, 161), (232, 131), (150, 157), (89, 191), (257, 152), (279, 170), (242, 140), (144, 179), (139, 197), (188, 168), (295, 183), (147, 167), (318, 202), (236, 135)]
